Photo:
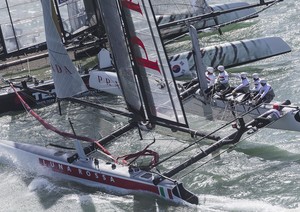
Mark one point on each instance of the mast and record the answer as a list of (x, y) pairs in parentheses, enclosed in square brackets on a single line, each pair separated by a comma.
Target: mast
[(200, 69), (57, 19), (12, 25)]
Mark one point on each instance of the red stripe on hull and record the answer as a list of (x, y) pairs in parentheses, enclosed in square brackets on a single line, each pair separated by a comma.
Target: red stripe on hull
[(98, 177)]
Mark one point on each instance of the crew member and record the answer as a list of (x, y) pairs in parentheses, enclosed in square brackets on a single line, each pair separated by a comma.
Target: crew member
[(211, 78), (244, 86), (265, 94), (256, 83), (274, 114), (222, 80), (268, 117)]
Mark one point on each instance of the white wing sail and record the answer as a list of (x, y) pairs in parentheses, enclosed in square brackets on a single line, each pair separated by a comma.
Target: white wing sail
[(157, 85), (235, 53), (66, 78), (126, 79)]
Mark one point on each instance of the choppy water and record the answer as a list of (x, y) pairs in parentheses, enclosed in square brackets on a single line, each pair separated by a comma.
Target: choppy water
[(261, 174)]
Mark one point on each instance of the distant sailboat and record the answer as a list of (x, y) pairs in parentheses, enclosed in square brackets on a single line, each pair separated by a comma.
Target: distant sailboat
[(67, 80), (168, 12)]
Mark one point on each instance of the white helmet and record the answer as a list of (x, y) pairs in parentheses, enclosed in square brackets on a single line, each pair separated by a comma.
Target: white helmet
[(210, 69), (221, 68), (243, 75), (263, 81), (255, 76)]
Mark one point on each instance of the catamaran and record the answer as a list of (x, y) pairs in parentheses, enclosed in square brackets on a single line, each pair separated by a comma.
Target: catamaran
[(226, 108), (139, 57)]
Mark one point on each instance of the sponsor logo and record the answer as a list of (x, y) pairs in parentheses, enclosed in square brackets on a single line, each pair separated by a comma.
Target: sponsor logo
[(78, 172), (176, 68), (56, 68), (39, 97), (98, 177), (107, 81)]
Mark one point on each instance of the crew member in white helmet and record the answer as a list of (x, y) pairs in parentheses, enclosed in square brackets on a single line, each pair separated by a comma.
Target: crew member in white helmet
[(265, 94), (269, 116), (210, 78), (222, 80), (256, 83), (244, 86)]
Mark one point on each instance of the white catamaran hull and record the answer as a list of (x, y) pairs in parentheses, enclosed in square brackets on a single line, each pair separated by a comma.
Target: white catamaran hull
[(105, 81), (108, 176), (222, 109)]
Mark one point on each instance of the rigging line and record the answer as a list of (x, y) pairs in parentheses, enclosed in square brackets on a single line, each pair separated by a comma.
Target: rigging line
[(227, 23), (225, 111), (192, 144), (170, 140), (176, 38), (28, 97), (105, 107), (246, 17), (56, 130), (231, 147), (165, 77), (177, 5)]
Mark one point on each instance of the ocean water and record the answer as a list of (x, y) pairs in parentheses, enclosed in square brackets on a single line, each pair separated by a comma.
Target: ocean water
[(261, 173)]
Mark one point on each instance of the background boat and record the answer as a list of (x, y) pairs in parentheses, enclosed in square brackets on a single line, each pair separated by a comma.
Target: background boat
[(261, 174)]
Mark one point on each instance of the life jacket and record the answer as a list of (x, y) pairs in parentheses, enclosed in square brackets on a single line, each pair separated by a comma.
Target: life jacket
[(223, 77), (210, 78)]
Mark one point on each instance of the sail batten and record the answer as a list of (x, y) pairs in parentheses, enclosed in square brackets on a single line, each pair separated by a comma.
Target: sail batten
[(67, 80)]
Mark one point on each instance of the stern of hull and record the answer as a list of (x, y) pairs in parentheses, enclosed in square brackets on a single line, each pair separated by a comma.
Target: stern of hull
[(180, 192)]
